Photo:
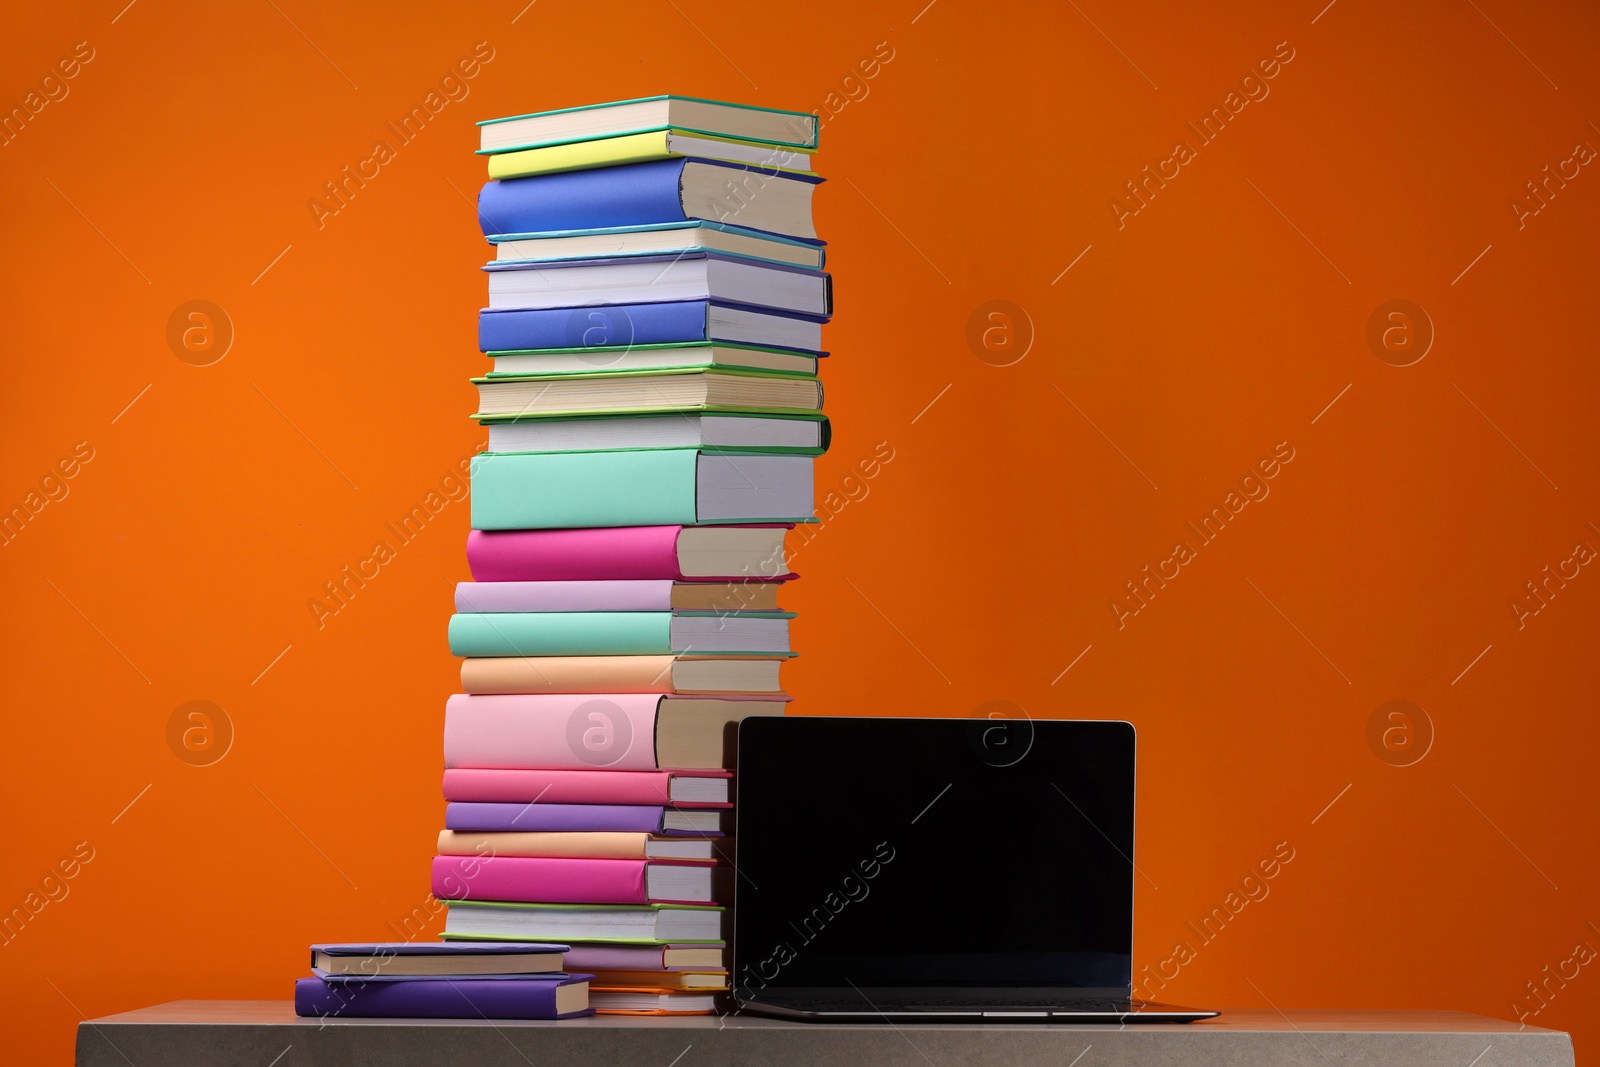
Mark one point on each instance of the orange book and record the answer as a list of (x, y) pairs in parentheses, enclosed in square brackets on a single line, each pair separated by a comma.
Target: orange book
[(697, 981)]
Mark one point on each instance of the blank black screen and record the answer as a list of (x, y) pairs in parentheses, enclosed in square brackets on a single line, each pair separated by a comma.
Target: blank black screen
[(933, 852)]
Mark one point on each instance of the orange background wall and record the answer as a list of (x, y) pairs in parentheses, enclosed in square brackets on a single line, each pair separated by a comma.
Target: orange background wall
[(1182, 347)]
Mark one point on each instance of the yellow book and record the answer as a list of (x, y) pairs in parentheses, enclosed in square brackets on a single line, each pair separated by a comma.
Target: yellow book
[(643, 147)]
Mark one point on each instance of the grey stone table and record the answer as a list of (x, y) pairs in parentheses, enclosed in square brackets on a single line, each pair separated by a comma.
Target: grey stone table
[(266, 1033)]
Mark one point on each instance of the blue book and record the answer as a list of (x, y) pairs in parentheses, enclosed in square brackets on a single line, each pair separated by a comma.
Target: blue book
[(651, 194), (668, 487), (629, 325)]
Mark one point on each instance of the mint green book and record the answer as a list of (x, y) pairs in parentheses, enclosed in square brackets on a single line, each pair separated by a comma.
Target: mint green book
[(662, 487), (620, 633)]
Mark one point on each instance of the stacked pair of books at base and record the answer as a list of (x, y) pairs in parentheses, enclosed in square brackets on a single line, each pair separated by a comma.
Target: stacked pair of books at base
[(402, 980), (655, 308)]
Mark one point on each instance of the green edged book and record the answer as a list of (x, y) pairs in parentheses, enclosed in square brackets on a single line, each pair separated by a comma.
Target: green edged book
[(666, 487), (620, 633)]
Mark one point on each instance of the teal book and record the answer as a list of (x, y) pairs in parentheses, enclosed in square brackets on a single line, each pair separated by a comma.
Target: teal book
[(620, 633), (659, 487)]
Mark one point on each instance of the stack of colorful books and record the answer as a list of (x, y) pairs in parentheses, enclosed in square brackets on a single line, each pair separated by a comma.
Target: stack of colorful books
[(441, 981), (655, 311)]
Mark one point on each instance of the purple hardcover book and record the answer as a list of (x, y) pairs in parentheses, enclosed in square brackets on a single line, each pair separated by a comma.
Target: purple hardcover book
[(614, 818), (564, 996)]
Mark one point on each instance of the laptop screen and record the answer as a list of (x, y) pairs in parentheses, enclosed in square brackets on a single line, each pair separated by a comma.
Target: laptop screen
[(917, 853)]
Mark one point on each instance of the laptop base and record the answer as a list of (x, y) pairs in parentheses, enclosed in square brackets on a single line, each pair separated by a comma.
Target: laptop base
[(1120, 1011)]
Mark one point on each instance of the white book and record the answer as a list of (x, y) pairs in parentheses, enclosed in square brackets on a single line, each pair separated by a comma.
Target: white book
[(650, 280), (663, 240), (629, 433)]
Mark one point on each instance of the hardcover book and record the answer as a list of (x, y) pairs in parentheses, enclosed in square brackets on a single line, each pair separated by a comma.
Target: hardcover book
[(520, 491), (696, 235), (625, 325), (620, 731), (682, 674), (712, 276), (712, 118), (643, 147), (676, 552), (586, 845), (579, 881), (649, 924), (619, 633), (636, 595), (563, 996), (651, 194), (479, 818), (589, 786)]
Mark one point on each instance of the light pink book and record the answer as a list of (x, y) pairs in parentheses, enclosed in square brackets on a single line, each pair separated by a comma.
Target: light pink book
[(548, 880), (496, 597), (480, 598), (629, 553), (683, 789), (615, 731)]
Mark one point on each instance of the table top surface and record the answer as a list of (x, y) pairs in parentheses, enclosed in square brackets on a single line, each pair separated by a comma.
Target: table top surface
[(1244, 1020)]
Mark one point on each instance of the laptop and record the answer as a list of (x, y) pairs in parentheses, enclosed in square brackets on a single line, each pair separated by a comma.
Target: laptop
[(899, 869)]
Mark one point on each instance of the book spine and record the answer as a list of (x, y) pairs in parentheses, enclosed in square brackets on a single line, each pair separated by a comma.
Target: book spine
[(635, 194), (636, 552), (621, 325), (559, 633), (520, 491), (534, 879)]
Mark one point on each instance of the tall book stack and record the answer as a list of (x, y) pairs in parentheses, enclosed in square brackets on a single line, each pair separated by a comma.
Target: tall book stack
[(656, 302)]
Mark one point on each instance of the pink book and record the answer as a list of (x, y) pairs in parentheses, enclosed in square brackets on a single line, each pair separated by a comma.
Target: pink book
[(492, 597), (626, 553), (583, 731), (683, 789), (546, 880)]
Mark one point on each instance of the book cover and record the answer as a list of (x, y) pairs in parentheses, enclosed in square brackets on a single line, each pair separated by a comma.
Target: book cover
[(583, 844), (581, 731), (614, 924), (505, 597), (606, 957)]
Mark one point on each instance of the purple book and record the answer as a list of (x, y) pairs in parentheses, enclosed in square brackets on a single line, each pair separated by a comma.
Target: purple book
[(563, 996), (475, 816)]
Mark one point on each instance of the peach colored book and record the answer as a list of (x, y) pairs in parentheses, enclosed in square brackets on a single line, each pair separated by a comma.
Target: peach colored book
[(620, 674)]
